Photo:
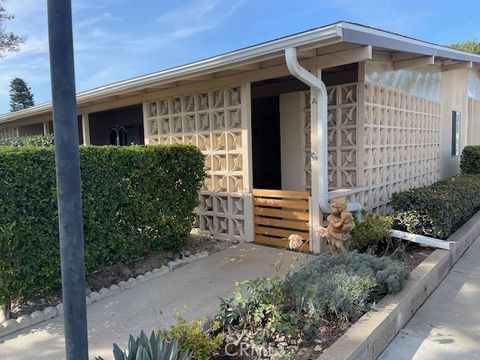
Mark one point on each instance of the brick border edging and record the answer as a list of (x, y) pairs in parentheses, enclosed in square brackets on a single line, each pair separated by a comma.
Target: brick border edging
[(11, 326), (370, 335)]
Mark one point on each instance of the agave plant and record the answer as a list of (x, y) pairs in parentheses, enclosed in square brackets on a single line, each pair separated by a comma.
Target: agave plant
[(155, 348)]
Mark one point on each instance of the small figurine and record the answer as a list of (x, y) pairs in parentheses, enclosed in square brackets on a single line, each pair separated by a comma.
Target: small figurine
[(295, 242), (340, 224)]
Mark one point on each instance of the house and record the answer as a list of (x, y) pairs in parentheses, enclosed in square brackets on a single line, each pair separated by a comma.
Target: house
[(395, 114)]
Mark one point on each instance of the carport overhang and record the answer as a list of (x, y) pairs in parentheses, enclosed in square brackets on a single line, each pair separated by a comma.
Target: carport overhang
[(325, 47)]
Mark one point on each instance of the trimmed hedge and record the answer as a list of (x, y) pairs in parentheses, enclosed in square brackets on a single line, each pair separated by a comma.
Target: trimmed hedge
[(470, 161), (373, 234), (31, 140), (440, 209), (136, 200)]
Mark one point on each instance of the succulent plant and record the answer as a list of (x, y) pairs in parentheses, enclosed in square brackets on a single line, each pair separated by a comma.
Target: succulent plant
[(155, 348)]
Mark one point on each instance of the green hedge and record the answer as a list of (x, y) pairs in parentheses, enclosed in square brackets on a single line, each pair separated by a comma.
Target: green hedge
[(470, 161), (137, 200), (440, 209), (31, 140)]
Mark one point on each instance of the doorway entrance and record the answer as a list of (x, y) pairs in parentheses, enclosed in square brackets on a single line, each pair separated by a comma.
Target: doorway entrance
[(266, 154), (280, 207), (122, 126)]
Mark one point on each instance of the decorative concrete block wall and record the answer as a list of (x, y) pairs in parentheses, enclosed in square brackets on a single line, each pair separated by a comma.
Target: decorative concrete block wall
[(211, 120), (380, 141), (401, 143), (9, 133), (342, 139), (393, 146)]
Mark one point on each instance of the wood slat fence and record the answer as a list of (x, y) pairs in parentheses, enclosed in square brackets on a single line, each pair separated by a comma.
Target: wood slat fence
[(279, 214)]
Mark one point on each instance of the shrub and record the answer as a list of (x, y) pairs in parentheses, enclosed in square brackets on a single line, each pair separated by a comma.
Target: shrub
[(440, 209), (372, 235), (260, 308), (31, 140), (136, 200), (191, 337), (345, 285), (155, 348), (470, 160), (271, 317), (261, 318)]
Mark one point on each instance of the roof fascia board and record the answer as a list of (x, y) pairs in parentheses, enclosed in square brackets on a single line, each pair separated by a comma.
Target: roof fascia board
[(367, 36)]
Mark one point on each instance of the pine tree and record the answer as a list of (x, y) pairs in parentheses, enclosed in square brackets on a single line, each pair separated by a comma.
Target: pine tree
[(21, 96)]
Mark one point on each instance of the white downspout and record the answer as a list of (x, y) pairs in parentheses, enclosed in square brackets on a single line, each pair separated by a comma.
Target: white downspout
[(319, 94)]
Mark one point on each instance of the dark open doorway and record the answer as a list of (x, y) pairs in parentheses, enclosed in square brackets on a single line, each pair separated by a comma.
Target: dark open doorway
[(267, 130), (267, 171)]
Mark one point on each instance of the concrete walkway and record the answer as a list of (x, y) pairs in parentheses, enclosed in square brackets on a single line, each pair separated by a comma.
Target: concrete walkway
[(197, 285), (447, 326)]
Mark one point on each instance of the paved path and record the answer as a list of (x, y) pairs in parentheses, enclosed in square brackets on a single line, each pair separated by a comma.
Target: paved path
[(197, 285), (447, 326)]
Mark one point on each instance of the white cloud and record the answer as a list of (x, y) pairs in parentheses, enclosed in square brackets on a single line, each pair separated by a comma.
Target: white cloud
[(94, 20), (26, 9), (202, 15)]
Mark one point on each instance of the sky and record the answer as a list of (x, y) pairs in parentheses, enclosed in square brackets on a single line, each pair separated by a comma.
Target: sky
[(118, 39)]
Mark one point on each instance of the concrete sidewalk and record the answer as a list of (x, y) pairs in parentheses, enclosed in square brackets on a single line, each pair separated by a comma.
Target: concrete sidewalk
[(447, 326), (197, 285)]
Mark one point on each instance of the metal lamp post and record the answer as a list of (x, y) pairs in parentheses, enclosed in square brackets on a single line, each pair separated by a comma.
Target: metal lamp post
[(67, 161)]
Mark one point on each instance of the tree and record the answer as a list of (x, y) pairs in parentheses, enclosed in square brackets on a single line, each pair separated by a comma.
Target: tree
[(21, 96), (472, 46), (9, 42)]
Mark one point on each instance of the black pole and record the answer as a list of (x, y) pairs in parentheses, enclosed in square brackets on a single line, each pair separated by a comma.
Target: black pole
[(67, 161)]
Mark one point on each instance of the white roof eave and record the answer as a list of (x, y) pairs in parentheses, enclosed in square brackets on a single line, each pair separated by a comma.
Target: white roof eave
[(329, 34), (338, 32), (364, 35)]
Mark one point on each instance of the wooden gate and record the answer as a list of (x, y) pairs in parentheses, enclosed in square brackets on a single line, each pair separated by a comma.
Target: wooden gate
[(279, 214)]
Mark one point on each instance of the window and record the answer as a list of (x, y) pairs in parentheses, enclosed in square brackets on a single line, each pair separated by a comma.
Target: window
[(118, 136), (125, 135), (456, 128)]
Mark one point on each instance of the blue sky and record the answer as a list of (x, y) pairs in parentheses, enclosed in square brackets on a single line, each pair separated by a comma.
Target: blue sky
[(119, 39)]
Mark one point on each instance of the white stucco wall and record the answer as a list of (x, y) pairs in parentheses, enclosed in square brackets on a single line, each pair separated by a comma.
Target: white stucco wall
[(454, 98), (474, 122), (291, 146), (473, 80), (473, 83)]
